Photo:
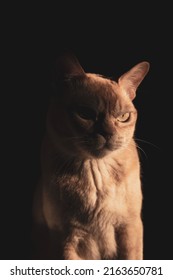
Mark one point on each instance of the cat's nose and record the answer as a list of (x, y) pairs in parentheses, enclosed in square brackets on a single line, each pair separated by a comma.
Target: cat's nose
[(101, 141), (105, 136), (106, 129), (108, 136)]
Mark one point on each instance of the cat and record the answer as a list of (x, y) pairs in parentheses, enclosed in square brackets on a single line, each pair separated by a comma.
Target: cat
[(88, 203)]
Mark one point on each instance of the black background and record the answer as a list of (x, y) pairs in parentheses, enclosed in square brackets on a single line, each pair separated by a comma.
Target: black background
[(108, 41)]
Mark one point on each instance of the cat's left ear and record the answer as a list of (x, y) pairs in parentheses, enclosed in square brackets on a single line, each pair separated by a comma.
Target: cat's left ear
[(68, 66), (132, 79)]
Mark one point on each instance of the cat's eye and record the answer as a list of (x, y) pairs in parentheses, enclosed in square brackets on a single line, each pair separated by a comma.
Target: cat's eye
[(124, 117), (86, 113)]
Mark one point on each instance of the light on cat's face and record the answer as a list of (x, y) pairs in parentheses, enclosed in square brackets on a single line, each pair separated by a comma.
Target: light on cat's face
[(94, 118), (102, 132)]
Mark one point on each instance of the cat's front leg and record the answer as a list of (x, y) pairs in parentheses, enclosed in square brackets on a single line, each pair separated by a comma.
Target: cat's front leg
[(81, 246), (130, 241), (70, 252)]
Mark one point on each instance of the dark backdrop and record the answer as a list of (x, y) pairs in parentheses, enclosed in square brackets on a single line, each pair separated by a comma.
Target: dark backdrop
[(108, 43)]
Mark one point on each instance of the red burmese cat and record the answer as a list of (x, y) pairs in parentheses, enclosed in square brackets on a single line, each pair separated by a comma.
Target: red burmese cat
[(88, 201)]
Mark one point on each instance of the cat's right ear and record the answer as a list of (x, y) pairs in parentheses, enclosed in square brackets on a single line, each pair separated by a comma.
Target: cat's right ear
[(132, 79), (68, 66)]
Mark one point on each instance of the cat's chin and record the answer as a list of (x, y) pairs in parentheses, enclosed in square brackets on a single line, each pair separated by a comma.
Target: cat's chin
[(106, 150), (100, 153)]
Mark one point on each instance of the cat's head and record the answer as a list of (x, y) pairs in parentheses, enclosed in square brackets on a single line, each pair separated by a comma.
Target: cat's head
[(90, 115)]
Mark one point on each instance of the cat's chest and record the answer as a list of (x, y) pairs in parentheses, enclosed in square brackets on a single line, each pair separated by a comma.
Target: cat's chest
[(106, 189), (100, 178)]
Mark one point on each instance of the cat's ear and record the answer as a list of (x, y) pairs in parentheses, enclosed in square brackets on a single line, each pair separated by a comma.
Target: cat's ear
[(132, 79), (68, 66)]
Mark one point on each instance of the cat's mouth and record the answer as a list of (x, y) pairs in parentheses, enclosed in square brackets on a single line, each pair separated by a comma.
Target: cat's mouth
[(99, 146), (104, 149), (101, 152)]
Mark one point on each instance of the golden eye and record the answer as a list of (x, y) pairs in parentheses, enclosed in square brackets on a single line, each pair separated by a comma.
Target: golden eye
[(124, 117)]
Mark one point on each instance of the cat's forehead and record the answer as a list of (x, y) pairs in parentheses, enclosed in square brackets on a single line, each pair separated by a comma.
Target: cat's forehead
[(100, 87), (99, 81), (98, 92)]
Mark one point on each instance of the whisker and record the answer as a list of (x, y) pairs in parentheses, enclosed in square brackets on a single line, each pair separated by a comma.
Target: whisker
[(147, 142), (138, 147)]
